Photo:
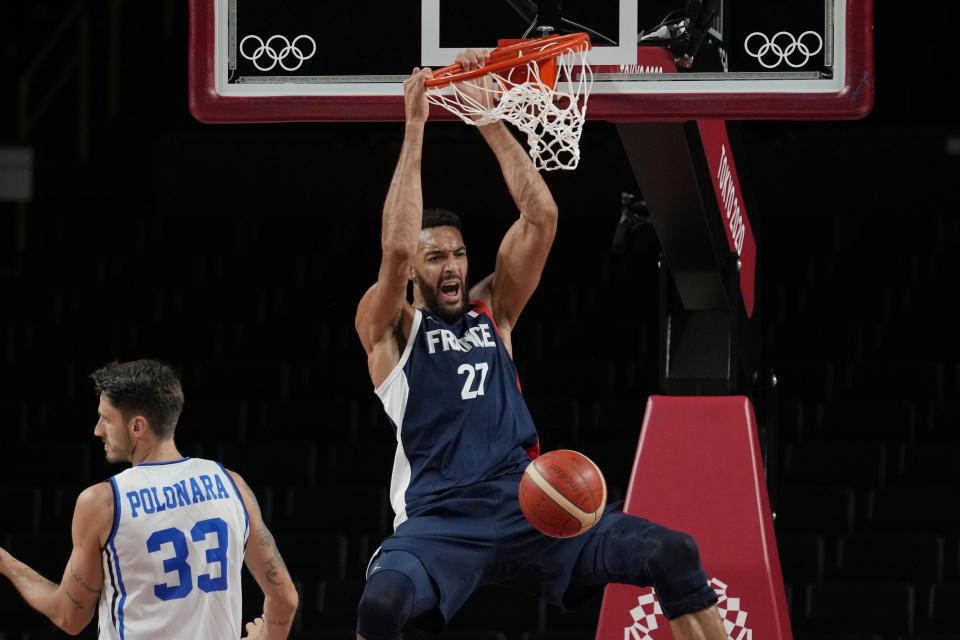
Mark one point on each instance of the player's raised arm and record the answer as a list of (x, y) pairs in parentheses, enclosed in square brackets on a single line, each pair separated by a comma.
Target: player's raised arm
[(524, 249), (71, 604), (265, 563), (380, 309)]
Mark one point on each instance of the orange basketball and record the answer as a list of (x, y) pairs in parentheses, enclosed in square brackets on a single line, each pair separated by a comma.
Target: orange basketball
[(563, 493)]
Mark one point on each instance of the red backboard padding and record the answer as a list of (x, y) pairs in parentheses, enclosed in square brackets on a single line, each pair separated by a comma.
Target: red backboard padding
[(698, 469)]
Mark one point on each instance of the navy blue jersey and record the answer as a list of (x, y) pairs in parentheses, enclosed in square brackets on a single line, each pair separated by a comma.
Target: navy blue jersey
[(454, 401)]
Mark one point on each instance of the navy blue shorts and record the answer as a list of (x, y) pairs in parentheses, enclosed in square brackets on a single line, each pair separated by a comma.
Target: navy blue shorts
[(478, 535)]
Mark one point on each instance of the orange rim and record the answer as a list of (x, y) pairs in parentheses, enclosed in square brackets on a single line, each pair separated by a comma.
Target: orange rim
[(512, 56)]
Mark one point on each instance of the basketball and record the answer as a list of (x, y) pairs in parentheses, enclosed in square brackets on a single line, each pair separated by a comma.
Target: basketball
[(563, 493)]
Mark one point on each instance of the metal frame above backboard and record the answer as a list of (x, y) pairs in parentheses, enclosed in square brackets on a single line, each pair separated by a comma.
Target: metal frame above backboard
[(432, 54), (617, 97)]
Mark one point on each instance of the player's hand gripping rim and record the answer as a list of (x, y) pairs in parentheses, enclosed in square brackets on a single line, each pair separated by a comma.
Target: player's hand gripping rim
[(415, 95)]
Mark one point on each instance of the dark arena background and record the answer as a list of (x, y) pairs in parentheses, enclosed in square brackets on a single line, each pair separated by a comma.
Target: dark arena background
[(237, 253)]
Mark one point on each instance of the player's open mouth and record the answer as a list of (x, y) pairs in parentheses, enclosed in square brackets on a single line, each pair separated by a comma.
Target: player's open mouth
[(450, 290)]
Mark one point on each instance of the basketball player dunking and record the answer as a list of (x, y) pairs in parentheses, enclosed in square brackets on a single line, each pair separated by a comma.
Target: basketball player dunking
[(159, 546), (443, 368)]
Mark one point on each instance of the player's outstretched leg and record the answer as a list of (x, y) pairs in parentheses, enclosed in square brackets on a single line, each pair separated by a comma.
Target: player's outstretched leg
[(705, 624), (398, 590), (385, 606), (631, 550)]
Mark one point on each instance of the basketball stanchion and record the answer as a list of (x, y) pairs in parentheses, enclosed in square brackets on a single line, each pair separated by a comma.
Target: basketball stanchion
[(540, 86), (715, 491)]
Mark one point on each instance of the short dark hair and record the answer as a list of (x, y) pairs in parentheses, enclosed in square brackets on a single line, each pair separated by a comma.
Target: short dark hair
[(440, 218), (143, 387)]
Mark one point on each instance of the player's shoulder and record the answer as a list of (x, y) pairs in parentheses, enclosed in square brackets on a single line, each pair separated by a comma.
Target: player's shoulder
[(237, 479), (233, 474), (96, 502), (96, 494), (367, 315)]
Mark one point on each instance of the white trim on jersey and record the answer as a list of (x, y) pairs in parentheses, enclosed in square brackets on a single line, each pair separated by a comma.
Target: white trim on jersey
[(398, 370), (393, 392)]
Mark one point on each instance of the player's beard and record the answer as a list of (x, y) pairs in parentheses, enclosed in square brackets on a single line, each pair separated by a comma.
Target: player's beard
[(116, 452), (432, 302)]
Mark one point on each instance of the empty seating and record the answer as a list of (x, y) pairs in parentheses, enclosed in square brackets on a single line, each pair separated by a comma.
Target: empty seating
[(73, 462), (812, 378), (585, 378), (314, 554), (210, 418), (368, 464), (882, 608), (942, 609), (827, 338), (266, 500), (273, 377), (801, 557), (341, 508), (24, 508), (46, 552), (862, 417), (850, 464), (618, 417), (915, 558), (912, 378), (282, 463), (932, 510), (927, 463), (815, 510), (558, 418), (338, 417), (335, 604), (940, 421)]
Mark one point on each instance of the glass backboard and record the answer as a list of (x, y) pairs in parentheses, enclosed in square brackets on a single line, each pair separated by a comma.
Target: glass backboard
[(302, 60)]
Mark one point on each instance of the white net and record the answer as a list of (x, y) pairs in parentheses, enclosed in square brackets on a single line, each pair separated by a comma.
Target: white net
[(550, 114)]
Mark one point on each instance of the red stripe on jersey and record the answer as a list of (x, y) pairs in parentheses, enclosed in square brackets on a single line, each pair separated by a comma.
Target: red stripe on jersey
[(534, 451), (485, 311)]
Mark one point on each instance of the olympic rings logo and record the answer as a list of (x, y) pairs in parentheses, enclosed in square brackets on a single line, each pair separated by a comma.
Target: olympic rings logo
[(287, 54), (784, 47)]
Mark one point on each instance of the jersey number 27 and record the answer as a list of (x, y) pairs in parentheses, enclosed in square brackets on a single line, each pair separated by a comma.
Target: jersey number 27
[(469, 392)]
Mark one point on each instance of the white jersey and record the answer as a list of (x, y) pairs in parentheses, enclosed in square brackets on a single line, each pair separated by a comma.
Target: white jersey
[(172, 562)]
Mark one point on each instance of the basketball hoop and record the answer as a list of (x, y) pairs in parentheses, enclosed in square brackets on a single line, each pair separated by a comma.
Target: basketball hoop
[(536, 85)]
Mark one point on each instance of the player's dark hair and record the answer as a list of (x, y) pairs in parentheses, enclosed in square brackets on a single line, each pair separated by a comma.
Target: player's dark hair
[(440, 218), (143, 387)]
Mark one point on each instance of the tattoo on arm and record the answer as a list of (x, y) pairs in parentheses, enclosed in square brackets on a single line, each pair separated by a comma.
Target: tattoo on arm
[(73, 574), (76, 603), (276, 565), (251, 498), (277, 569), (265, 538)]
